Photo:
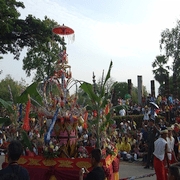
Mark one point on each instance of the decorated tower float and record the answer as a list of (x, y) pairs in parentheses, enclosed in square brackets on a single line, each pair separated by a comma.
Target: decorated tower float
[(56, 155)]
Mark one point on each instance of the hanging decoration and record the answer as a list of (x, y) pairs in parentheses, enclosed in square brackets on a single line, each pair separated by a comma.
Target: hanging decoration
[(26, 125)]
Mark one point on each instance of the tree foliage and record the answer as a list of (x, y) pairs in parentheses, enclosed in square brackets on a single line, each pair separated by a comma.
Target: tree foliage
[(43, 55), (118, 90), (8, 25), (32, 33), (16, 33), (11, 89), (170, 47), (170, 43), (161, 69)]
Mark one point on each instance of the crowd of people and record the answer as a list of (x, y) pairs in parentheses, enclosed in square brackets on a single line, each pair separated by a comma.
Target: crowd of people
[(132, 142), (156, 142)]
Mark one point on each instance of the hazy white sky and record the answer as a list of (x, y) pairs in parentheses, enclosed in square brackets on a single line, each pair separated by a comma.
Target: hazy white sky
[(124, 31)]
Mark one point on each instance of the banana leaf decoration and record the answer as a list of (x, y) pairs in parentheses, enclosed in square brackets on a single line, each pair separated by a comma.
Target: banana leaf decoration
[(25, 141), (5, 121), (99, 100), (7, 105), (32, 91)]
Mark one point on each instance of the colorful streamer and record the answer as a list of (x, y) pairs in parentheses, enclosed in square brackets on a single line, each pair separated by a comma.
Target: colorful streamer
[(107, 109), (48, 134), (85, 119)]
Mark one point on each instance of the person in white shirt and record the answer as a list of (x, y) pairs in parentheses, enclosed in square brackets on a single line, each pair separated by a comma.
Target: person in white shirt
[(122, 112), (170, 146), (160, 156), (85, 137), (146, 114)]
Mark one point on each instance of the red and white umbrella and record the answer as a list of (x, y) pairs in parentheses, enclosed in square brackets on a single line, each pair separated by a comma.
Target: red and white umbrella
[(64, 31)]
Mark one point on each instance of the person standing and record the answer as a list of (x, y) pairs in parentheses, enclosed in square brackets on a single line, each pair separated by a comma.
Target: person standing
[(160, 156), (146, 114), (97, 172), (170, 146), (13, 170), (85, 137), (152, 135)]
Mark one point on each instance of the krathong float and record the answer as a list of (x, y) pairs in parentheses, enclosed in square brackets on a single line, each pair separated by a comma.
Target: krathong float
[(49, 131)]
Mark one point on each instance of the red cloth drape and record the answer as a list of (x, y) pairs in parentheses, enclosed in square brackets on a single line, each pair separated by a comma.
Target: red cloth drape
[(26, 125), (37, 170)]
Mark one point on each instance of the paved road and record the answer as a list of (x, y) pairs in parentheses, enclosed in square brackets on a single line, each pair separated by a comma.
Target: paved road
[(127, 169), (1, 161), (135, 169)]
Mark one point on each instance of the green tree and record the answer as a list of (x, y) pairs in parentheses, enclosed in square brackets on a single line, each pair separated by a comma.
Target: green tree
[(170, 43), (16, 33), (118, 90), (160, 68), (42, 56), (11, 89), (8, 27)]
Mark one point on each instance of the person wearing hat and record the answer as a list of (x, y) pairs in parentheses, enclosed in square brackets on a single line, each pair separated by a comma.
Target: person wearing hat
[(152, 135), (160, 155)]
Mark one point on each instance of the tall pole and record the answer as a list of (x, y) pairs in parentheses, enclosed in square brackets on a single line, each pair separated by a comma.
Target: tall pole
[(152, 88), (139, 89), (129, 87)]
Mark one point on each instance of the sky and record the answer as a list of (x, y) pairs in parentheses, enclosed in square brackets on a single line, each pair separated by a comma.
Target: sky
[(124, 31)]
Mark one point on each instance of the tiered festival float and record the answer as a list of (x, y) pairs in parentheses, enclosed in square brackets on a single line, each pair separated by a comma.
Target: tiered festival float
[(54, 152)]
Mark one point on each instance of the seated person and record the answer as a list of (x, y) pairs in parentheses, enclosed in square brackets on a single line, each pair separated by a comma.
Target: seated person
[(119, 144), (125, 150)]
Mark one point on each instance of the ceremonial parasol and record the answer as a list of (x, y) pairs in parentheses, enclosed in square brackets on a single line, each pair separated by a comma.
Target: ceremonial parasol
[(63, 30)]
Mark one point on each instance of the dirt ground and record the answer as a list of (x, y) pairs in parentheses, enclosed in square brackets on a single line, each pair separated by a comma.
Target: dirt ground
[(135, 170)]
